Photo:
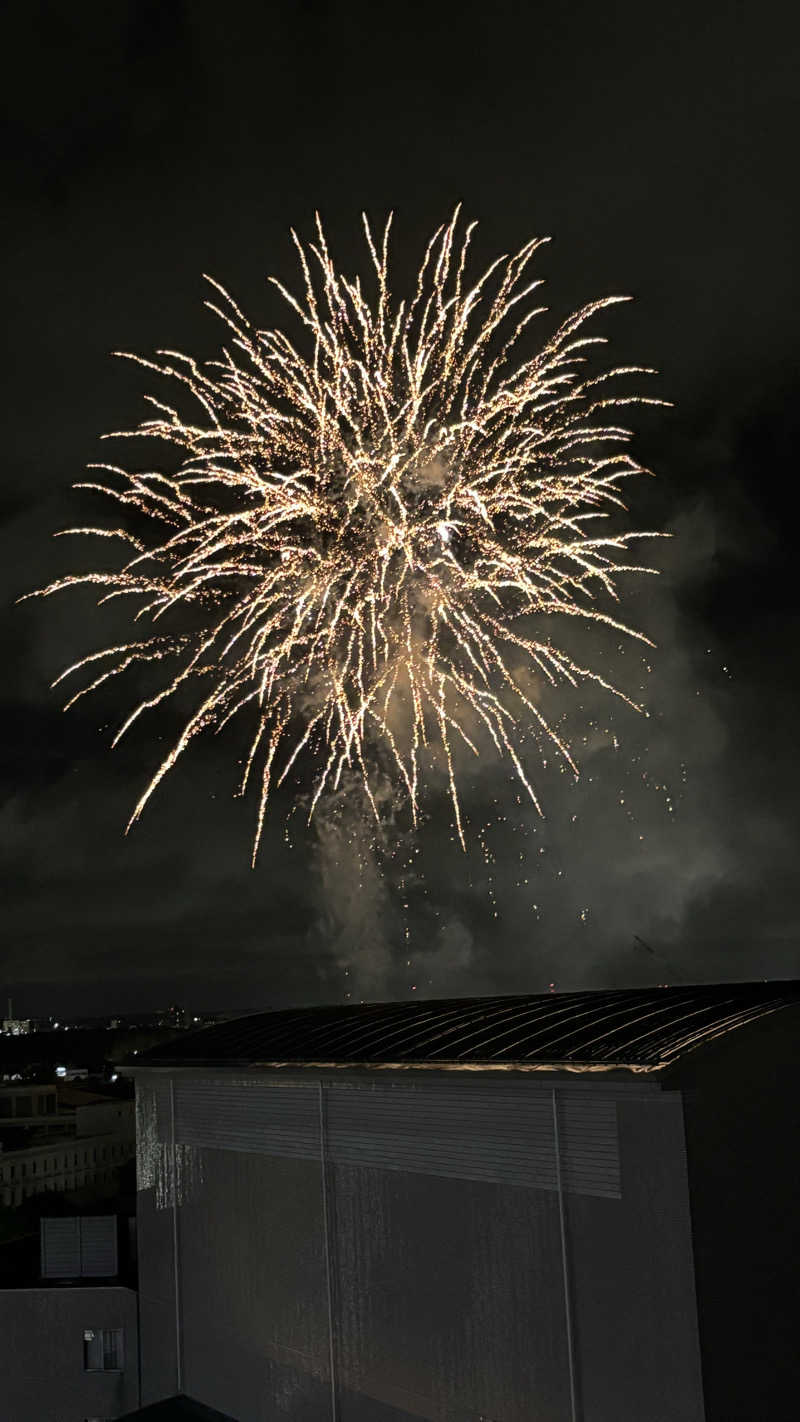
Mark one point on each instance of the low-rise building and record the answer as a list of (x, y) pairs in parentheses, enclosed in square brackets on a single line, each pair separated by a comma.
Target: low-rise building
[(69, 1352), (60, 1141)]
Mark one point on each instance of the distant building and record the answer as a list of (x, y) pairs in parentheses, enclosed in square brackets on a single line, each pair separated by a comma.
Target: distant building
[(61, 1140), (16, 1026), (575, 1207)]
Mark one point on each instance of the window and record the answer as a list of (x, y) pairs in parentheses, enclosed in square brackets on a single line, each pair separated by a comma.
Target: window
[(102, 1350)]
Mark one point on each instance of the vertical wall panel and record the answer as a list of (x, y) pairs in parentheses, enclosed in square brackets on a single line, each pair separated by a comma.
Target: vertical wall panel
[(633, 1279), (252, 1288), (154, 1224), (449, 1298)]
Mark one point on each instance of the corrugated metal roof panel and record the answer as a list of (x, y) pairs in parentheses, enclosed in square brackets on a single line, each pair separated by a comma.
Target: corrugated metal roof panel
[(642, 1029)]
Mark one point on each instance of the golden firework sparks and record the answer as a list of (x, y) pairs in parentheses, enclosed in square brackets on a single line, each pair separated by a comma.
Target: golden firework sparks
[(369, 527)]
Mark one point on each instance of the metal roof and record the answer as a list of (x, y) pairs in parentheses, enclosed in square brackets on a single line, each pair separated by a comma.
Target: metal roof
[(641, 1029)]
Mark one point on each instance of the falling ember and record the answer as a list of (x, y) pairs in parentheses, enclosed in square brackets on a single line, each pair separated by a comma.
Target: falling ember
[(367, 530)]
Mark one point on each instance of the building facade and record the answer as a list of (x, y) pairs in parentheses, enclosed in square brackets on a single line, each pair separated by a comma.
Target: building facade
[(493, 1210), (68, 1354), (45, 1149)]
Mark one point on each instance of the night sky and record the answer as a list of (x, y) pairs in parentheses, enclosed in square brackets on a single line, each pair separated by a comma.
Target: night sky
[(147, 143)]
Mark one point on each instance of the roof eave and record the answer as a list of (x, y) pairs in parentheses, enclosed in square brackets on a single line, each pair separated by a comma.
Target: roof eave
[(573, 1068)]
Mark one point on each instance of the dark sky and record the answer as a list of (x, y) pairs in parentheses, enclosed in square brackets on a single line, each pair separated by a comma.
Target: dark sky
[(145, 143)]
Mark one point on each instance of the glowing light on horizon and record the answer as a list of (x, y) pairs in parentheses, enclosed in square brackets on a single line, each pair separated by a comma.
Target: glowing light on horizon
[(368, 527)]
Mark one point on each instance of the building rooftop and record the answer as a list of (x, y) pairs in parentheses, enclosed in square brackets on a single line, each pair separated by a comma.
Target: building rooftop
[(638, 1029), (176, 1409)]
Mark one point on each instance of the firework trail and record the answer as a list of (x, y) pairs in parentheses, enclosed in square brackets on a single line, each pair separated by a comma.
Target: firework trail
[(368, 527)]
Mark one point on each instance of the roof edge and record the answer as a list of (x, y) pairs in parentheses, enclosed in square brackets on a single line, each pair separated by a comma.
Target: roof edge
[(575, 1068)]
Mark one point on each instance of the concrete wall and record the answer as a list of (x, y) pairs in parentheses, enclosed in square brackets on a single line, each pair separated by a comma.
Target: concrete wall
[(41, 1354)]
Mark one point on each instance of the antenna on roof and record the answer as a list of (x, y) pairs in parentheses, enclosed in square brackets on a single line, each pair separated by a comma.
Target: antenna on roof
[(656, 953)]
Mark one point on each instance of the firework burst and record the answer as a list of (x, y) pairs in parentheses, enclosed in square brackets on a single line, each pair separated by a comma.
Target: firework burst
[(368, 527)]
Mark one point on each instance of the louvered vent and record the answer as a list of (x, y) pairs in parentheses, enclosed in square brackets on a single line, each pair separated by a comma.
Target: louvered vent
[(75, 1247), (60, 1242), (249, 1116), (470, 1133), (98, 1246), (475, 1132), (589, 1146)]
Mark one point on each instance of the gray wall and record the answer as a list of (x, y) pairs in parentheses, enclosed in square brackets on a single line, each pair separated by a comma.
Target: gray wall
[(743, 1152), (632, 1278), (449, 1298), (41, 1354), (253, 1288), (446, 1283), (156, 1298)]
